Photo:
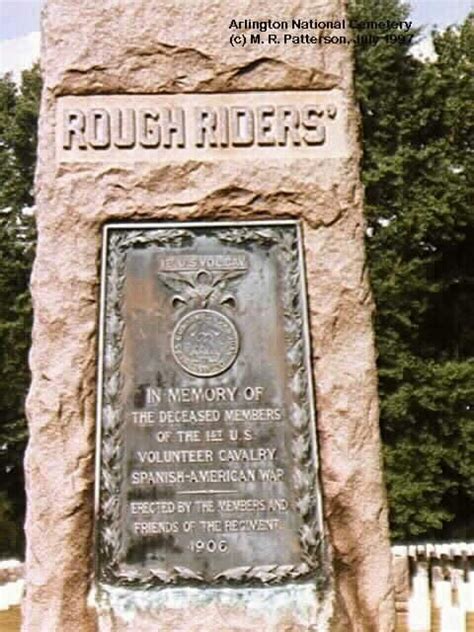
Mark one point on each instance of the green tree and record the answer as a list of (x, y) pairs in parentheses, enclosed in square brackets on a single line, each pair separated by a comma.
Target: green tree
[(18, 123), (417, 132), (417, 125)]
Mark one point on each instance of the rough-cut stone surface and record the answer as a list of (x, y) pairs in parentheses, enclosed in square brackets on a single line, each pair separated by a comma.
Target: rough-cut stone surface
[(146, 46)]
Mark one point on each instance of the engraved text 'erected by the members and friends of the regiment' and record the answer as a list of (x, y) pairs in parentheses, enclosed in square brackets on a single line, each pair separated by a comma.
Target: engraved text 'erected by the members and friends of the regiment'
[(207, 465)]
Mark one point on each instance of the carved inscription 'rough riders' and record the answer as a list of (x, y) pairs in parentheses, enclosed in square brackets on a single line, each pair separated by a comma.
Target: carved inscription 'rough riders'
[(207, 462), (212, 127)]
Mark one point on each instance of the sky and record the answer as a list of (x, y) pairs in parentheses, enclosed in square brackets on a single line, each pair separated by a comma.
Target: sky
[(20, 38)]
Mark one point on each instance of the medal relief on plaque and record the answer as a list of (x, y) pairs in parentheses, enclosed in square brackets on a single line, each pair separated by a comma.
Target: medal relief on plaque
[(205, 343), (207, 462)]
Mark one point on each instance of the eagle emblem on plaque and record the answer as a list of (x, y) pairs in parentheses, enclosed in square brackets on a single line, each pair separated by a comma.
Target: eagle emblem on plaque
[(205, 341)]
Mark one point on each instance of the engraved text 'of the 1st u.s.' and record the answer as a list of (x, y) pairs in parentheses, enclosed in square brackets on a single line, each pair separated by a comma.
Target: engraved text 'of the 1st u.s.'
[(207, 459)]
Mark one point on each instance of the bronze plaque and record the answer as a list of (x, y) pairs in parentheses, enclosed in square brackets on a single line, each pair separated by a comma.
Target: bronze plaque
[(206, 468)]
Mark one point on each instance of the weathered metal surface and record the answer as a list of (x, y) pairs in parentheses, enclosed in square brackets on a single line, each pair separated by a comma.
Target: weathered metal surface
[(207, 466)]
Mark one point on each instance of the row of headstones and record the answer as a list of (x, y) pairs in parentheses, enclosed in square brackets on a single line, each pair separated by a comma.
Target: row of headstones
[(11, 583), (434, 587)]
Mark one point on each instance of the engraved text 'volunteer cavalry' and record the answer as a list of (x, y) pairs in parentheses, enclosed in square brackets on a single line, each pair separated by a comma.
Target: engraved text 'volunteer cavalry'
[(207, 469)]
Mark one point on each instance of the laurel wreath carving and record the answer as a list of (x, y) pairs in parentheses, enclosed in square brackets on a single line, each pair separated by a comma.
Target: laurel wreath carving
[(304, 470), (304, 475), (111, 545)]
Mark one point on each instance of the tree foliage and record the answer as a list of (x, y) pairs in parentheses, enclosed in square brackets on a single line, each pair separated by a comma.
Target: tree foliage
[(417, 121), (18, 123)]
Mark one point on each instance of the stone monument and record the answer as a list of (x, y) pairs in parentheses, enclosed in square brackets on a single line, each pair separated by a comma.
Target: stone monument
[(204, 449)]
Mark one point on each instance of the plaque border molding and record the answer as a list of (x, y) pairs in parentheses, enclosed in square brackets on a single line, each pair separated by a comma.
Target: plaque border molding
[(118, 238)]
